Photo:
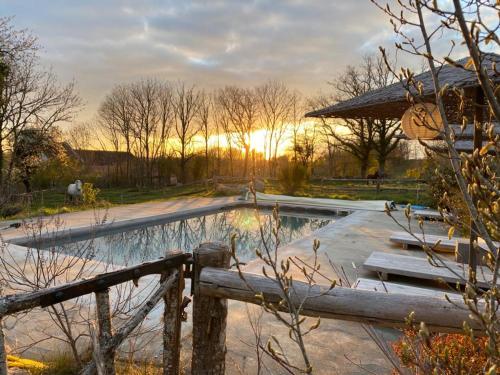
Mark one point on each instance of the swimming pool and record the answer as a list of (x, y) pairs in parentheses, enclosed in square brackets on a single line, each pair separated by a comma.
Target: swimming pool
[(145, 243)]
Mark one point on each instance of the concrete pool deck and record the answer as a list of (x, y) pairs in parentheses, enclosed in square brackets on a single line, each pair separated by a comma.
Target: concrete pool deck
[(337, 347)]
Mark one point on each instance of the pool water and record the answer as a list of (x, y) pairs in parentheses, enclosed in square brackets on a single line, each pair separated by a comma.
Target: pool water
[(152, 242)]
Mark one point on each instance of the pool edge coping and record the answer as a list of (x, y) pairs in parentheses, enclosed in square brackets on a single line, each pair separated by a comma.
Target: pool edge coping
[(96, 229)]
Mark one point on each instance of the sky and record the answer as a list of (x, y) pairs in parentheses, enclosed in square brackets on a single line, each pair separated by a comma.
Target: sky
[(100, 43)]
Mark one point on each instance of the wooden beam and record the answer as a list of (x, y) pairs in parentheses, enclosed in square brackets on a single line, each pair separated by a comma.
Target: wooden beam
[(363, 306), (11, 304)]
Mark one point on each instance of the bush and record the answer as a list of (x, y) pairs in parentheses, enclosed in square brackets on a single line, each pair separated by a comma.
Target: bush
[(414, 173), (10, 209), (89, 193), (293, 177), (444, 190), (446, 354)]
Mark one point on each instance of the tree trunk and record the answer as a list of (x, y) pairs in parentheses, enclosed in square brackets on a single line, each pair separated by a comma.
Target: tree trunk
[(128, 158), (245, 168), (363, 168), (206, 158), (27, 184), (231, 160), (381, 166), (183, 168)]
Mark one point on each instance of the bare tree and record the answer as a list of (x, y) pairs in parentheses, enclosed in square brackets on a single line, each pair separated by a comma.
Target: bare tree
[(384, 130), (279, 269), (297, 111), (275, 101), (223, 126), (30, 95), (361, 136), (115, 113), (80, 136), (146, 115), (204, 117), (140, 117), (306, 146), (241, 108), (186, 103), (420, 26)]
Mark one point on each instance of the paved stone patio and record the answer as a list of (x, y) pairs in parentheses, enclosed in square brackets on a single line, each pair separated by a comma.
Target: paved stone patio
[(338, 347)]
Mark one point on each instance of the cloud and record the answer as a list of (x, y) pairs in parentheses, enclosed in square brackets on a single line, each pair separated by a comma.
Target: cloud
[(208, 42)]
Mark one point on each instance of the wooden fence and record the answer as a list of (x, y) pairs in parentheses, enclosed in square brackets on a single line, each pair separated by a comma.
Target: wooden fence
[(212, 285)]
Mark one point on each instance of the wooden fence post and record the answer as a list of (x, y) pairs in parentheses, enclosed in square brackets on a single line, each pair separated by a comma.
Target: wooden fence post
[(105, 331), (172, 320), (209, 314), (3, 354)]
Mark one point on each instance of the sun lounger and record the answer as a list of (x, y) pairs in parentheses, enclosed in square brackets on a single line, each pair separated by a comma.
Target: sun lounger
[(400, 288), (445, 244), (427, 214), (386, 264)]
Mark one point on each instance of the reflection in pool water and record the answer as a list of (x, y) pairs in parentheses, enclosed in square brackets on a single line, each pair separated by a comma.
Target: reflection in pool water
[(150, 243)]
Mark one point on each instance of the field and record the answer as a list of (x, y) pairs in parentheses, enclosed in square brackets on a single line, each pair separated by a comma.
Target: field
[(50, 202), (404, 193)]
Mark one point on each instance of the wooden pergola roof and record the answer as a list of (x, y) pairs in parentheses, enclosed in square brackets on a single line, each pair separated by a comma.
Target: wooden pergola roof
[(390, 102)]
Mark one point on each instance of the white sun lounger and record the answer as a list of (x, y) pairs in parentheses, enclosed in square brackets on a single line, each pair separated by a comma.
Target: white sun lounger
[(445, 245), (427, 214), (394, 264)]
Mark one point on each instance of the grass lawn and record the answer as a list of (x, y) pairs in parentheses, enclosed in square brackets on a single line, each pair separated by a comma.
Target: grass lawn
[(399, 193), (53, 202)]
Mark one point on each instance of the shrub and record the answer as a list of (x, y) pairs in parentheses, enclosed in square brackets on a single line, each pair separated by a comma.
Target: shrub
[(414, 173), (293, 177), (25, 364), (89, 193), (449, 354), (10, 209), (443, 189)]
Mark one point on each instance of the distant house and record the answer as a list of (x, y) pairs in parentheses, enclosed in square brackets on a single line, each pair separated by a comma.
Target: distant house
[(98, 160)]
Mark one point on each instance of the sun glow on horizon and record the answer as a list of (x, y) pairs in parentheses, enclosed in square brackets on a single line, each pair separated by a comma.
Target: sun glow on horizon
[(259, 140)]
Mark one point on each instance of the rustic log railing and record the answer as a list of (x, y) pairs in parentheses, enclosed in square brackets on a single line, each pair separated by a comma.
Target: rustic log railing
[(212, 285), (171, 285)]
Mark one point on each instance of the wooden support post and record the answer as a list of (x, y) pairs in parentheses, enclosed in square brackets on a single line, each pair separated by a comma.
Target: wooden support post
[(172, 324), (105, 331), (209, 314), (3, 353)]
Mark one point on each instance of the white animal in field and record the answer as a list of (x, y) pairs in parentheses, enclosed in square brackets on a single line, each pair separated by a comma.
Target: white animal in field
[(75, 190)]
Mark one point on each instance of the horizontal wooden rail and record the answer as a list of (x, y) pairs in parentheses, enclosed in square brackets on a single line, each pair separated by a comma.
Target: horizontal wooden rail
[(11, 304), (364, 306)]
